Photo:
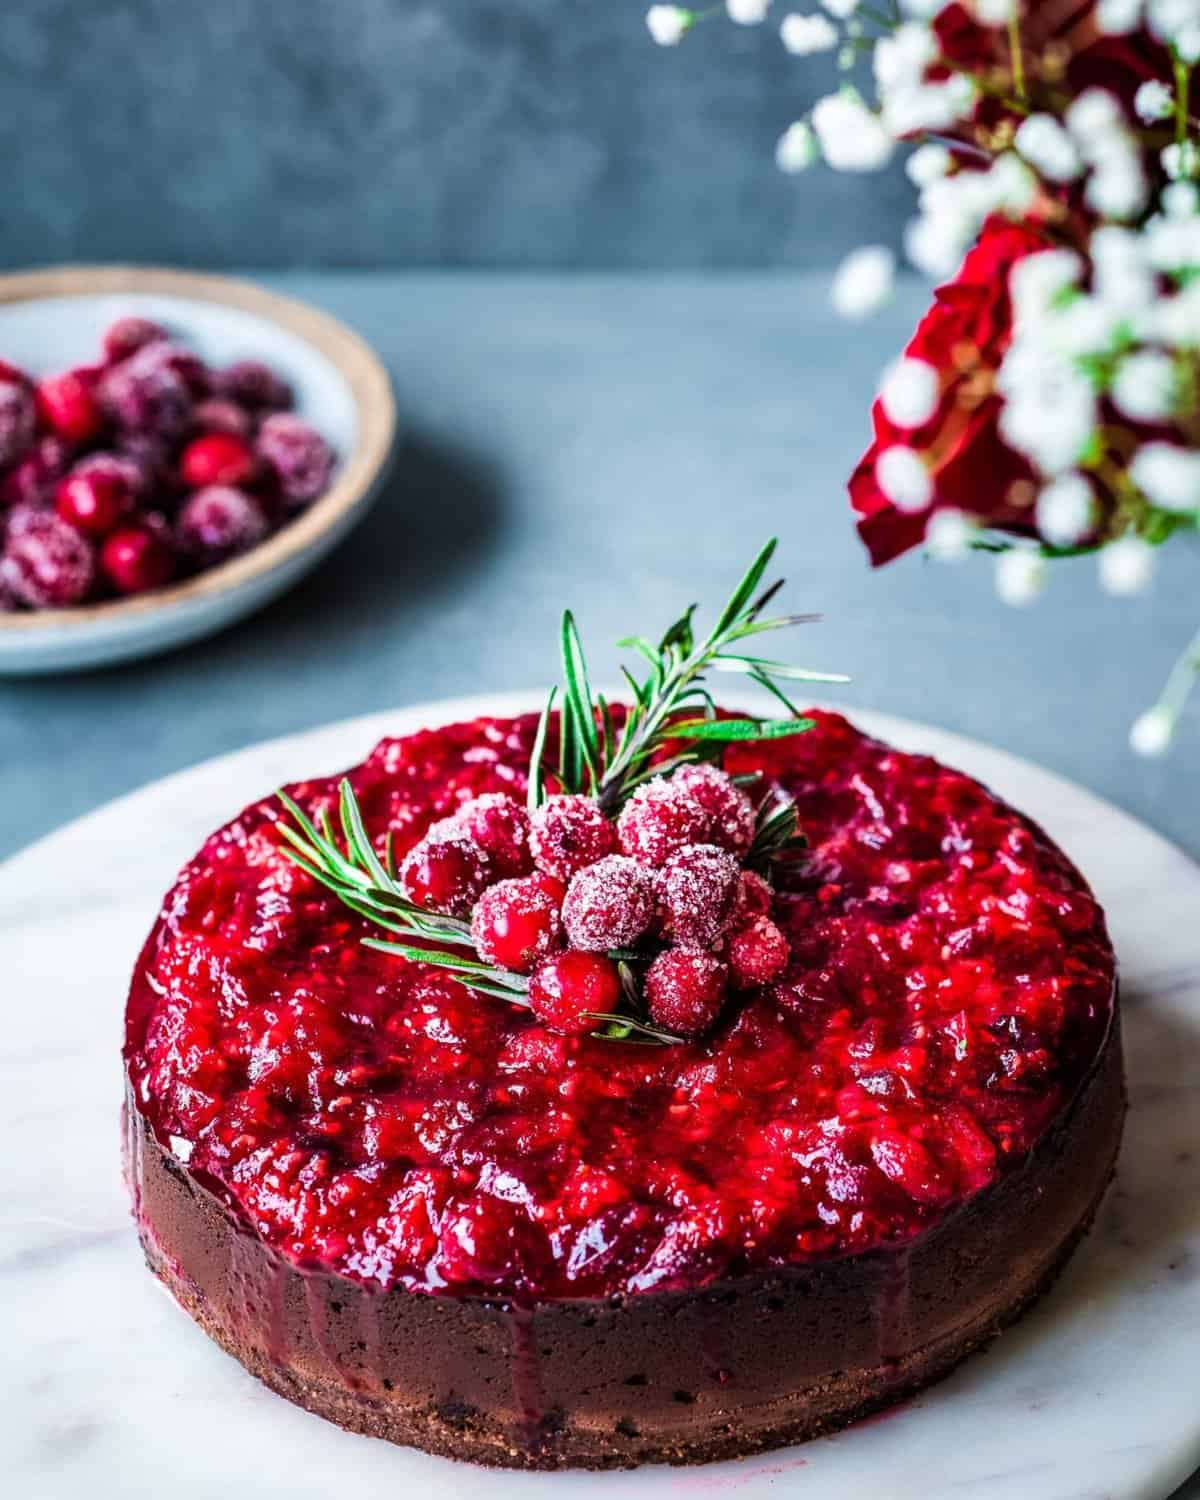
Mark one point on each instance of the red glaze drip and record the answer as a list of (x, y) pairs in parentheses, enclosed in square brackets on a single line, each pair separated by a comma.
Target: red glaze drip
[(526, 1376)]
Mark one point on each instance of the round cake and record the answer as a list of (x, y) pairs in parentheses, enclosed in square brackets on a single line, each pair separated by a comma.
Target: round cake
[(434, 1216)]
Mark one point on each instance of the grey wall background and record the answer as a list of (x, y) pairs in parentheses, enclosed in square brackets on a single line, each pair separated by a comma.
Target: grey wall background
[(387, 133)]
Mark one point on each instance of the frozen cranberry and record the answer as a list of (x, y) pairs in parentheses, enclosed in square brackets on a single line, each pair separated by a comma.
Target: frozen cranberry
[(150, 455), (216, 458), (500, 826), (20, 518), (755, 896), (251, 383), (609, 904), (191, 369), (68, 404), (516, 923), (95, 495), (698, 889), (147, 394), (570, 989), (730, 811), (758, 954), (127, 335), (298, 455), (446, 872), (685, 991), (570, 833), (18, 420), (134, 559), (219, 522), (660, 818), (33, 479), (219, 415), (47, 564)]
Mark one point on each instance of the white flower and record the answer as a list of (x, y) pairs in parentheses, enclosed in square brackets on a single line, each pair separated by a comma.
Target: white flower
[(1118, 17), (1187, 43), (904, 479), (667, 23), (1044, 144), (909, 392), (948, 535), (1122, 276), (1094, 114), (747, 12), (1085, 325), (1173, 244), (1036, 282), (927, 164), (1151, 733), (902, 57), (1011, 185), (842, 9), (912, 107), (864, 281), (1153, 101), (851, 135), (994, 12), (1180, 200), (936, 245), (1181, 160), (796, 149), (1126, 565), (1169, 477), (1176, 320), (923, 10), (1172, 21), (1117, 186), (1066, 511), (1050, 412), (1145, 385), (802, 35), (1020, 576)]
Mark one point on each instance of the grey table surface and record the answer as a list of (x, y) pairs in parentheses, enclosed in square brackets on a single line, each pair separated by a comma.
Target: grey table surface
[(622, 444)]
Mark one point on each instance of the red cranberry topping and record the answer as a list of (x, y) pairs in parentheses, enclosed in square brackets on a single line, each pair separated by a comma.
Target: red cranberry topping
[(95, 495), (572, 987), (758, 954), (219, 522), (18, 420), (298, 455), (68, 404), (659, 819), (147, 394), (46, 563), (500, 826), (686, 991), (251, 383), (516, 922), (219, 415), (609, 904), (135, 559), (569, 833), (34, 478), (755, 896), (127, 335), (446, 871), (698, 888), (729, 809), (216, 458)]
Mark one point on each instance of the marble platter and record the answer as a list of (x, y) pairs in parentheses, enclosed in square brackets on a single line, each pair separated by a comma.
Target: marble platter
[(106, 1389)]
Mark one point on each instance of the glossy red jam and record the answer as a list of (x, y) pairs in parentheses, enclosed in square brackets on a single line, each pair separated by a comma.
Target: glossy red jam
[(950, 982)]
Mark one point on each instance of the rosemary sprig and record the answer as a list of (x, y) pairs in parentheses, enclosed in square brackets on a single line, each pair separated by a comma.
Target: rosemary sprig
[(595, 759)]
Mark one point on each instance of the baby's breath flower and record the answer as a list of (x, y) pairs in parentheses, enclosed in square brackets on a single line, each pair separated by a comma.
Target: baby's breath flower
[(949, 534), (1126, 566), (1180, 160), (1151, 733), (747, 12), (1118, 17), (1153, 101), (1117, 187), (909, 392), (1093, 115), (1020, 576), (1144, 386), (667, 23), (796, 149), (852, 136), (994, 12), (863, 282), (902, 476), (803, 35), (927, 164), (1045, 145), (1066, 511), (1168, 476), (842, 9)]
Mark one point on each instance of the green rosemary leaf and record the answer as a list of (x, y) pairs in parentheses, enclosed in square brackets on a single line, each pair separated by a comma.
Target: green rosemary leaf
[(745, 591), (680, 633), (536, 793), (357, 842), (729, 730), (579, 702), (749, 665)]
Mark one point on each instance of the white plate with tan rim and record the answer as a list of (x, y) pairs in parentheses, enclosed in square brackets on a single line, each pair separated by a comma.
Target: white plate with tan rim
[(52, 319)]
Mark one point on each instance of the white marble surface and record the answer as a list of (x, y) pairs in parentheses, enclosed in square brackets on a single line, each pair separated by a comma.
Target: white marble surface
[(107, 1390)]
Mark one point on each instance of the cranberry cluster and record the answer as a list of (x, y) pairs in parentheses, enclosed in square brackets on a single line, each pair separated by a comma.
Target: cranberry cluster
[(117, 477), (552, 895)]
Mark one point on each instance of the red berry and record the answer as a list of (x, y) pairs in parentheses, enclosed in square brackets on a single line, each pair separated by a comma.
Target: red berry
[(685, 991), (446, 871), (219, 415), (298, 456), (570, 833), (68, 404), (572, 987), (516, 923), (730, 811), (32, 480), (660, 818), (147, 394), (251, 383), (18, 419), (698, 889), (609, 904), (135, 559), (758, 954), (219, 522), (500, 826), (216, 458), (755, 896), (47, 564), (127, 335), (94, 496)]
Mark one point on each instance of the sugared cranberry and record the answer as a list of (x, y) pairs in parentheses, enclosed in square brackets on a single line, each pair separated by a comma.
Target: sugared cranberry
[(251, 383), (150, 455), (219, 415), (216, 458), (730, 811), (134, 559), (698, 889), (685, 991), (47, 564), (147, 394), (95, 495), (18, 420), (127, 335), (758, 954), (298, 456), (659, 819), (569, 833), (609, 904), (446, 872), (500, 826), (33, 479), (219, 522), (755, 896), (68, 404), (516, 923), (191, 369), (568, 990)]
